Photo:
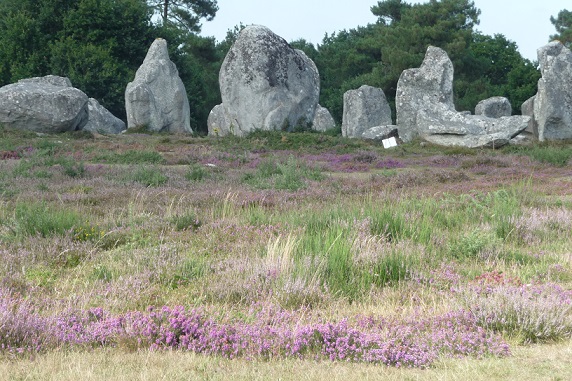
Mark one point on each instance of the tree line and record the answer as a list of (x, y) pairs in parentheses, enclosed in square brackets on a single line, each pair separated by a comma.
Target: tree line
[(99, 44)]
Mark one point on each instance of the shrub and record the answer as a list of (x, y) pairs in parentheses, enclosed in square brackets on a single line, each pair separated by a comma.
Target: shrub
[(531, 313)]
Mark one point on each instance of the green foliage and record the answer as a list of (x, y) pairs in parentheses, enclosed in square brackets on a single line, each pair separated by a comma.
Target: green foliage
[(130, 157), (196, 173), (290, 175), (563, 25), (378, 53), (98, 44), (185, 13), (187, 221), (30, 219), (149, 176), (555, 154)]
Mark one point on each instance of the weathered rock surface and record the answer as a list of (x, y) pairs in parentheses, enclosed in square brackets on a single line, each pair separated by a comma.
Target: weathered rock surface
[(323, 120), (43, 104), (527, 109), (100, 120), (156, 99), (421, 88), (364, 108), (553, 102), (494, 107), (380, 132), (266, 84), (425, 109), (218, 122)]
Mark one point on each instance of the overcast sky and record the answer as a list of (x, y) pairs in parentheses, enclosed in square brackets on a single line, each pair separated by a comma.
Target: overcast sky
[(526, 22)]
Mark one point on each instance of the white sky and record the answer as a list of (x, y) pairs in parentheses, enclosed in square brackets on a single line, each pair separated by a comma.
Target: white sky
[(526, 22)]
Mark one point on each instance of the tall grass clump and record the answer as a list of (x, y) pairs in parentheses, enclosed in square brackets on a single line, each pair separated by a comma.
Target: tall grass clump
[(557, 155), (148, 176), (290, 175), (30, 219), (130, 157)]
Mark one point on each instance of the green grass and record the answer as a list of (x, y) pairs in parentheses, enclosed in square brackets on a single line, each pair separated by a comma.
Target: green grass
[(146, 231), (130, 157), (557, 154), (30, 219)]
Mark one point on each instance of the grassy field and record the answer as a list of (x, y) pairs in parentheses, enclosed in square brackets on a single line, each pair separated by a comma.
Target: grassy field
[(282, 256)]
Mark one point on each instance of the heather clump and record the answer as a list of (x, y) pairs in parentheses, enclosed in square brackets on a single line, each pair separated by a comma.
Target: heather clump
[(529, 312)]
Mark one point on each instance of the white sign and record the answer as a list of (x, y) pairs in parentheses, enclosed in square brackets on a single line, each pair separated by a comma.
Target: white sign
[(388, 143)]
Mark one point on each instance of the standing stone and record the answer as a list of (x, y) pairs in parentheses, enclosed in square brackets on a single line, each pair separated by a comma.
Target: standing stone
[(266, 84), (156, 100), (364, 108), (553, 102), (418, 88), (425, 109), (43, 104), (323, 120), (494, 107), (100, 120)]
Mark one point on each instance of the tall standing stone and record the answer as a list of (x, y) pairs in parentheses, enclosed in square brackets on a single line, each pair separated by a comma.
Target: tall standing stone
[(266, 84), (417, 88), (553, 102), (156, 100), (364, 108)]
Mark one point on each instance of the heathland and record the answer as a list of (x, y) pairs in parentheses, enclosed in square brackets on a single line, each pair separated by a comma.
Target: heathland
[(282, 256)]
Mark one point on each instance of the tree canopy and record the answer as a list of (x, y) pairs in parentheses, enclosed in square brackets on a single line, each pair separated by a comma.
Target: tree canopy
[(185, 13), (99, 44), (563, 25)]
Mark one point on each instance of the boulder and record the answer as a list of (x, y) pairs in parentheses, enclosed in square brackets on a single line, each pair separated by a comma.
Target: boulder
[(43, 104), (364, 108), (553, 101), (323, 120), (218, 122), (527, 109), (420, 88), (266, 84), (451, 128), (425, 109), (156, 100), (494, 107), (380, 132), (100, 120)]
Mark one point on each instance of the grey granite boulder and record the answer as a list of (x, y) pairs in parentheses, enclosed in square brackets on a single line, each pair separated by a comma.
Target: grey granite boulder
[(218, 122), (100, 120), (527, 109), (364, 108), (553, 102), (451, 128), (156, 100), (494, 107), (421, 88), (266, 84), (380, 132), (425, 109), (43, 104), (323, 120)]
